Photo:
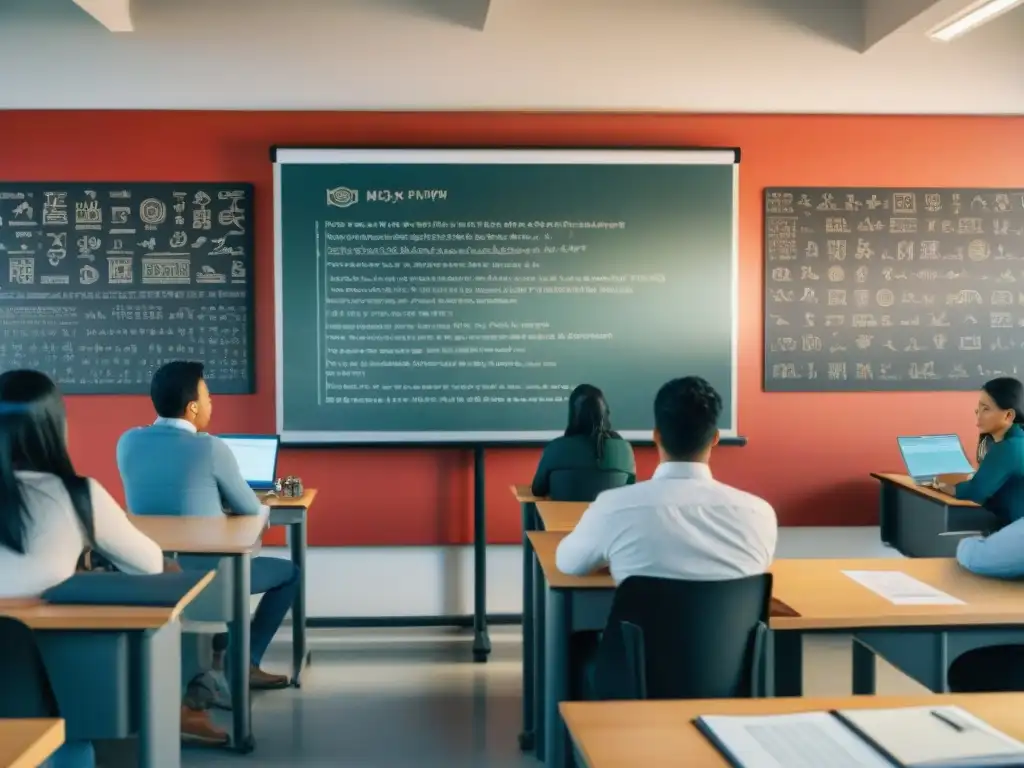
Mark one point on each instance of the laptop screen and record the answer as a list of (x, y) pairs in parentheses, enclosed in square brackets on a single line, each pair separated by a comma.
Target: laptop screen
[(930, 455), (256, 456)]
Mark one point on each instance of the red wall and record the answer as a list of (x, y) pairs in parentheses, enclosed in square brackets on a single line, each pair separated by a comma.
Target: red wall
[(809, 454)]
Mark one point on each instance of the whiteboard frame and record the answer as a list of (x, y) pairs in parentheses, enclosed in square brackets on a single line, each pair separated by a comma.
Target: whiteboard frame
[(490, 156)]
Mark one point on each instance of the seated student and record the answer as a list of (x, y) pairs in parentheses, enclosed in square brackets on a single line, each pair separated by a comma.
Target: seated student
[(175, 468), (681, 523), (589, 456), (999, 486), (50, 515)]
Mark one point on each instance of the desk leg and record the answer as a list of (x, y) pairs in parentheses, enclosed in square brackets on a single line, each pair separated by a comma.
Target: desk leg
[(787, 660), (556, 677), (158, 693), (241, 712), (481, 638), (539, 659), (888, 513), (863, 669), (297, 542), (526, 737)]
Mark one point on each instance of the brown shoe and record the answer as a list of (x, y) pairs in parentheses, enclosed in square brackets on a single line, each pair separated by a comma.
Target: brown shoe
[(264, 681), (198, 728)]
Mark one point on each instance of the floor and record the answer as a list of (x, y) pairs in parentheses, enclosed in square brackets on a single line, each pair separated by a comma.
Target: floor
[(397, 698), (413, 698)]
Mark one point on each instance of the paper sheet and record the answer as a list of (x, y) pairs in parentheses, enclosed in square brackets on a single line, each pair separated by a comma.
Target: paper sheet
[(804, 740), (900, 589)]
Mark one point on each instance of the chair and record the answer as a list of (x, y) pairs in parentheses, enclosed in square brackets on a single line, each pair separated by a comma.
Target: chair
[(583, 484), (26, 691), (675, 639)]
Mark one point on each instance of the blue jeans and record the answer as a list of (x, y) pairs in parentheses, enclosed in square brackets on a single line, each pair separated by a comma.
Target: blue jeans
[(278, 580), (73, 754)]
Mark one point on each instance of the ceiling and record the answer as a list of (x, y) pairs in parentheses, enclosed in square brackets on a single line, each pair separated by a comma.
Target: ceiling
[(846, 56)]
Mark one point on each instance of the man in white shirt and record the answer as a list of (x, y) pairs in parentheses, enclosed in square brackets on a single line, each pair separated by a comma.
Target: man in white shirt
[(681, 523)]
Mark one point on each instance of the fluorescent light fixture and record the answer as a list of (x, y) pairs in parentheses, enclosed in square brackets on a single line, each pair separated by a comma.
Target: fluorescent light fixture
[(973, 17)]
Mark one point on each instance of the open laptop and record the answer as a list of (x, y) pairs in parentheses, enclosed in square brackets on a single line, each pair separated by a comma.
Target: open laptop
[(257, 458), (927, 456)]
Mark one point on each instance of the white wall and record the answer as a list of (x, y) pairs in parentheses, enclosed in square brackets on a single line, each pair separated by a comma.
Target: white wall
[(433, 581), (679, 55)]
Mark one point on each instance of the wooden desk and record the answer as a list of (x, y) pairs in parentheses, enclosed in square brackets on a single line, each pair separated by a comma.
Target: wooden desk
[(40, 615), (919, 640), (912, 516), (235, 538), (524, 494), (215, 535), (115, 670), (29, 743), (661, 734), (293, 513), (561, 515)]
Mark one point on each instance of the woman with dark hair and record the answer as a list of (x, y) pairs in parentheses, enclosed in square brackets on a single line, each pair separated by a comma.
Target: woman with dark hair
[(998, 485), (50, 515), (589, 457)]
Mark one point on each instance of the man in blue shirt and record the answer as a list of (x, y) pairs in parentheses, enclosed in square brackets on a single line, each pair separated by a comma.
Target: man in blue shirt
[(175, 468)]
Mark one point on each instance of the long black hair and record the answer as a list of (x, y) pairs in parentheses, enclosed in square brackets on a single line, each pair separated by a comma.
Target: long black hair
[(32, 438), (589, 415), (1008, 395)]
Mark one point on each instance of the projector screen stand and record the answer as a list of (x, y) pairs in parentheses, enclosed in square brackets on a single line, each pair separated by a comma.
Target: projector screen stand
[(481, 639)]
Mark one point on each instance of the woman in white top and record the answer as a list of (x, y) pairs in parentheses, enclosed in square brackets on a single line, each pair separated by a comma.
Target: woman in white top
[(49, 515)]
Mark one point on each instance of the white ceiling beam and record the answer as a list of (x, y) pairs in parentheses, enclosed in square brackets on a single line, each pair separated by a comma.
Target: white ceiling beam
[(115, 15), (883, 18)]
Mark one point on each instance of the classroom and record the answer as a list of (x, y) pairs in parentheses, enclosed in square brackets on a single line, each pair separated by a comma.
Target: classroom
[(398, 234)]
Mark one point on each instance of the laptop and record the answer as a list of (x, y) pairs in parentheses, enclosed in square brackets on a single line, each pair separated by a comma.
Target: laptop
[(257, 458), (927, 456)]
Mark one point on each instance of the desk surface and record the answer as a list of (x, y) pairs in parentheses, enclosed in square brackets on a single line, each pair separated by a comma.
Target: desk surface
[(561, 515), (40, 615), (524, 493), (907, 482), (29, 743), (305, 501), (660, 734), (216, 535), (822, 597)]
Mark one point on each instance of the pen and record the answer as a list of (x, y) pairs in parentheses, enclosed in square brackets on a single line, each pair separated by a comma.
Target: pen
[(948, 721)]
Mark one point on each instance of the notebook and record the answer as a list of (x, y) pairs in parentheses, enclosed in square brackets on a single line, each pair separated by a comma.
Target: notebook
[(910, 737)]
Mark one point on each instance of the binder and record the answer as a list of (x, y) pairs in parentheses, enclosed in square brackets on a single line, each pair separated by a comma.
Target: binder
[(161, 590), (907, 737)]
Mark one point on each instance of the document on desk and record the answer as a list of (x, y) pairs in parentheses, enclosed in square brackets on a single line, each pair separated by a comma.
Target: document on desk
[(803, 740), (912, 737), (900, 589)]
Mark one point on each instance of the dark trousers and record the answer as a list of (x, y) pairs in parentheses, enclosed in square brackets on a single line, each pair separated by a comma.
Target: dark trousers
[(993, 669), (278, 581)]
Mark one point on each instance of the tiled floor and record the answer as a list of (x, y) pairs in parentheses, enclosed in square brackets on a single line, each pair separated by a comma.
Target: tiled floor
[(413, 698)]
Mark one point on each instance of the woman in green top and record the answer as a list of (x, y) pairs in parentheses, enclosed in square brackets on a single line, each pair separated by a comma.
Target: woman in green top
[(998, 485), (589, 458)]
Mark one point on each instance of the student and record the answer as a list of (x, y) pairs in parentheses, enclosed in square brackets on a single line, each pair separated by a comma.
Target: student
[(49, 514), (681, 523), (175, 468), (998, 485), (590, 455)]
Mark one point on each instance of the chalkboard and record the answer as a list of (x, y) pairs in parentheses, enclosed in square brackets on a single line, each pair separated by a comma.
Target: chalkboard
[(892, 289), (458, 296), (106, 282)]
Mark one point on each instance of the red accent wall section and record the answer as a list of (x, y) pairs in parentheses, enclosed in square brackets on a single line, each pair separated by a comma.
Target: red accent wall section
[(809, 454)]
